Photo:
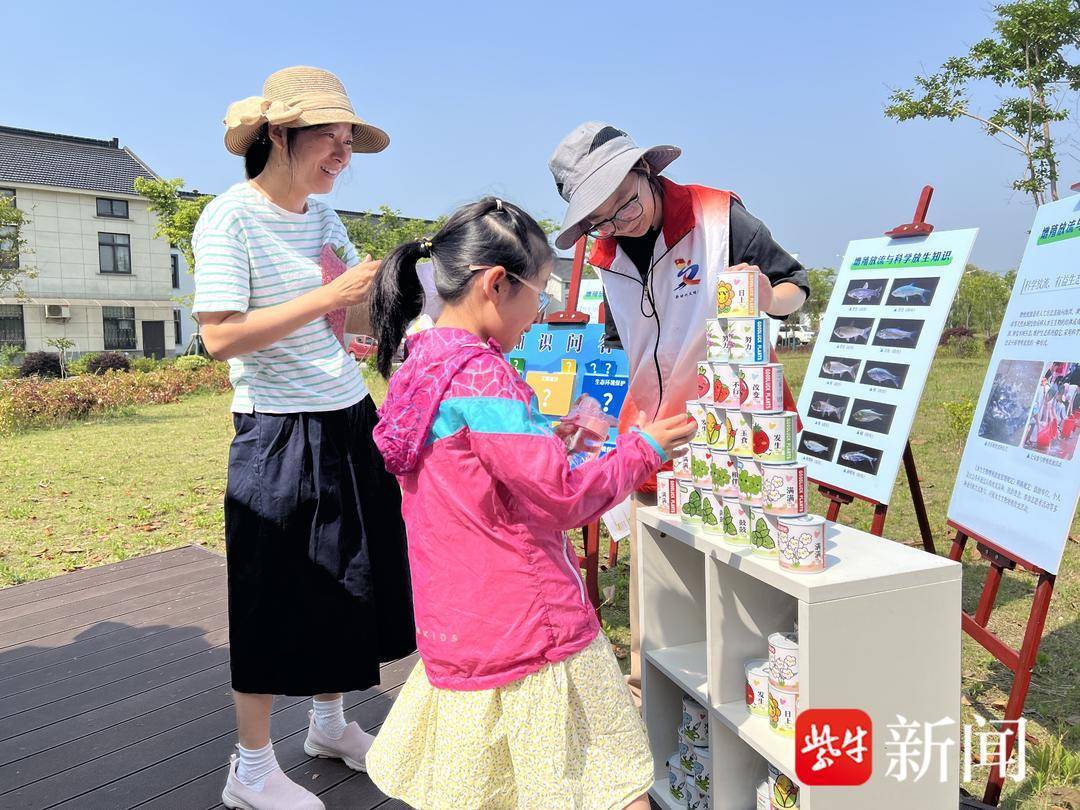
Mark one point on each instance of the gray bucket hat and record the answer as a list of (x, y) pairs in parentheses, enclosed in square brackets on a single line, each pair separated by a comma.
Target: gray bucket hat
[(588, 165)]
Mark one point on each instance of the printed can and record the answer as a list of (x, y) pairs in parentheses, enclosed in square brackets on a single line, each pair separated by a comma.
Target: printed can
[(718, 433), (667, 497), (736, 522), (737, 294), (764, 532), (783, 489), (784, 661), (742, 424), (701, 775), (762, 796), (696, 798), (747, 340), (712, 510), (689, 506), (802, 543), (696, 410), (748, 473), (775, 437), (695, 723), (783, 792), (716, 345), (725, 477), (700, 456), (676, 779), (680, 465), (761, 388), (757, 686), (725, 378), (704, 381), (783, 706)]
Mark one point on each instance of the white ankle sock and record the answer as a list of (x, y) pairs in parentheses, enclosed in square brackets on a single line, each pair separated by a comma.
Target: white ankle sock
[(255, 765), (329, 717)]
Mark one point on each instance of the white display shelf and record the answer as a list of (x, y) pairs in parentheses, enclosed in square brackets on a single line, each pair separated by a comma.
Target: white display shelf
[(686, 666), (879, 630)]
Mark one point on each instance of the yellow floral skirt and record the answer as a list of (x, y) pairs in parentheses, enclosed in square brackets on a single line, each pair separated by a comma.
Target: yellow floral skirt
[(567, 736)]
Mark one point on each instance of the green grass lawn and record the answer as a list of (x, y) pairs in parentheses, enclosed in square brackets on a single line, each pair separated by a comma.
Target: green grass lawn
[(117, 487)]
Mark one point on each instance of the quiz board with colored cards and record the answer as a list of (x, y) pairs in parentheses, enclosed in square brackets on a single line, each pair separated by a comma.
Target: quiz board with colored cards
[(872, 355)]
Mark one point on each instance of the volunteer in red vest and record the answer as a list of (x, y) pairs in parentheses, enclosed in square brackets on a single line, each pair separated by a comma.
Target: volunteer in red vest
[(659, 248)]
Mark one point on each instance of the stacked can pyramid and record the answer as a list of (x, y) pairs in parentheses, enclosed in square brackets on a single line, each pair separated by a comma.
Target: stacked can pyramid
[(741, 479)]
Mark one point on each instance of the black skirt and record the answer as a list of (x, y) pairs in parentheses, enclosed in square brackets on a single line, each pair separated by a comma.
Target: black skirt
[(319, 591)]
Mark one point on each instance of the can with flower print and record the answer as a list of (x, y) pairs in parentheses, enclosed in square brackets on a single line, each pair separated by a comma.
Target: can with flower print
[(667, 495), (757, 686), (716, 342), (784, 661), (774, 437), (725, 378), (747, 340), (725, 477), (748, 478), (736, 522), (742, 425), (718, 433), (696, 410), (802, 543), (764, 532), (737, 294), (761, 388), (783, 792), (689, 501), (704, 381), (712, 511), (783, 489), (700, 456), (680, 465), (695, 723), (783, 707), (676, 779)]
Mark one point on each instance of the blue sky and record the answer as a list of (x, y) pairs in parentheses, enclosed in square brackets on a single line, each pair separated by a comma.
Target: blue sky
[(780, 102)]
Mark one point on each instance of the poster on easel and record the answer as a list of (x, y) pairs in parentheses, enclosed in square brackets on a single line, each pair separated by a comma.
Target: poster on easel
[(1019, 476), (872, 356)]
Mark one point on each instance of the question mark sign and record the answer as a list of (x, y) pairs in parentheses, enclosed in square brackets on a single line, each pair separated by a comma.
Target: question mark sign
[(607, 402), (547, 396)]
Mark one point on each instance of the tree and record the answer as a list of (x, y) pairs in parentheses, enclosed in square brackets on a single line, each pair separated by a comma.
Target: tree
[(12, 243), (61, 344), (378, 234), (176, 215), (821, 284), (981, 299), (1031, 55)]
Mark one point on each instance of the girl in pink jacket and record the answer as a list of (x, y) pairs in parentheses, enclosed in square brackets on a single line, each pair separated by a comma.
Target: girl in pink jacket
[(518, 700)]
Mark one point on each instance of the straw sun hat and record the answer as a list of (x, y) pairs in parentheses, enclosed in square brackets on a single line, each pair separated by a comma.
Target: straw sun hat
[(298, 97)]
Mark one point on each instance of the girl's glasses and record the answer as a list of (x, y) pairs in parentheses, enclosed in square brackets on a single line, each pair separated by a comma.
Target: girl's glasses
[(627, 213), (542, 297)]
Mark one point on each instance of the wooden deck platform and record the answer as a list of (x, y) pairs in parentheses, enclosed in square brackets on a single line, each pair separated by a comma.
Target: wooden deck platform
[(114, 693)]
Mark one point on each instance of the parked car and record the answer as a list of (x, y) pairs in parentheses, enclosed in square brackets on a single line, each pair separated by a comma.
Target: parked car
[(362, 347), (792, 335)]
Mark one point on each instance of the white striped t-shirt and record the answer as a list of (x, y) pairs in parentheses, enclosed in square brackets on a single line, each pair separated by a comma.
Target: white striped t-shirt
[(250, 254)]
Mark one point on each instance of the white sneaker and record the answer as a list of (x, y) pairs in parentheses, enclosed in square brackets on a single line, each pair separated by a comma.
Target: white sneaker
[(279, 792), (351, 747)]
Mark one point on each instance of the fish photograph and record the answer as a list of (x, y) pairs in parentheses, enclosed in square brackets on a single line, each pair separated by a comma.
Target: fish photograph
[(829, 407), (898, 333), (852, 330), (865, 292), (859, 457), (869, 415), (840, 368), (817, 445), (1009, 403), (884, 375), (912, 292)]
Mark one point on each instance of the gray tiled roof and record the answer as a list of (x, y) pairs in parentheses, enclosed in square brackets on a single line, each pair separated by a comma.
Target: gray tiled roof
[(66, 161)]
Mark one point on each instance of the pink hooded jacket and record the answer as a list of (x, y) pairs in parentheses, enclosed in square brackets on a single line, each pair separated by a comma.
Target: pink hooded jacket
[(487, 494)]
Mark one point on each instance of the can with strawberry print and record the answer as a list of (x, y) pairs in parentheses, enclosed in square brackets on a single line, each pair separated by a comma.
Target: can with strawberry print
[(725, 377), (761, 388), (704, 381)]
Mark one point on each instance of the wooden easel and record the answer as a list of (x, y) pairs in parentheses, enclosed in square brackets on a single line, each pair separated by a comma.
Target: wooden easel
[(839, 497)]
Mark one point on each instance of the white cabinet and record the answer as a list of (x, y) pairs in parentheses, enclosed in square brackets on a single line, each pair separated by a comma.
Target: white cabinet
[(879, 630)]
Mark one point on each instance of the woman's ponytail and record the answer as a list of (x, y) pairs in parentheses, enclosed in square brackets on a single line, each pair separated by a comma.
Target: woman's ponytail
[(397, 298)]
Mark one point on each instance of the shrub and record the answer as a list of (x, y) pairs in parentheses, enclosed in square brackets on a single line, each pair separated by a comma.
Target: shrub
[(959, 415), (148, 364), (9, 372), (9, 354), (40, 364), (966, 347), (109, 361), (79, 364), (192, 362), (956, 332), (990, 342)]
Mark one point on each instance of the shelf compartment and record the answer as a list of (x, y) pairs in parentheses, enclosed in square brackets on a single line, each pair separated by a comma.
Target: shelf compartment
[(686, 665)]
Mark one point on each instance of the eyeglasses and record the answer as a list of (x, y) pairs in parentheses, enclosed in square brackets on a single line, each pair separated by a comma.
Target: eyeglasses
[(627, 213), (542, 297)]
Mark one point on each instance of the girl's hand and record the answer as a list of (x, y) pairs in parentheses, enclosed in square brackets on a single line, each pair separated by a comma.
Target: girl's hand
[(352, 286), (672, 432)]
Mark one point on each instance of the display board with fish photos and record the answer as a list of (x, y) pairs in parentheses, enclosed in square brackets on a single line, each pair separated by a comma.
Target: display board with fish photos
[(869, 365), (1019, 476)]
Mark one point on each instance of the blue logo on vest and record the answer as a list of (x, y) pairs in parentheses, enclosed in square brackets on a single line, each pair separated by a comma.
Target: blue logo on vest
[(687, 273)]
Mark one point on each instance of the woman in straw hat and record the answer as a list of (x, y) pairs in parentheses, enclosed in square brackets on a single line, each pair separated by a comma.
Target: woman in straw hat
[(313, 530)]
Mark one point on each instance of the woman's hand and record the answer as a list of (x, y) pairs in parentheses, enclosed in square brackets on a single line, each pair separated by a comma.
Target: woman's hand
[(672, 432), (352, 286)]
